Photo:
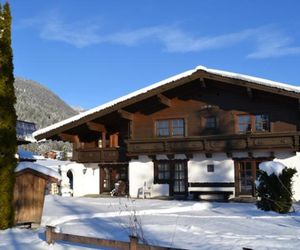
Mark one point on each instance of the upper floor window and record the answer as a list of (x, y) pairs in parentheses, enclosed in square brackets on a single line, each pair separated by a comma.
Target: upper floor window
[(244, 123), (171, 127), (262, 123), (249, 123), (210, 122)]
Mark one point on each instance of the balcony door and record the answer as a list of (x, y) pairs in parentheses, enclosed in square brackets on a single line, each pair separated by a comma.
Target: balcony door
[(111, 174), (174, 173), (179, 186), (245, 176)]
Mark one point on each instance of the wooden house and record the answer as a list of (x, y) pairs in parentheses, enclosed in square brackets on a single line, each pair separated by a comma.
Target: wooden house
[(31, 185), (201, 132)]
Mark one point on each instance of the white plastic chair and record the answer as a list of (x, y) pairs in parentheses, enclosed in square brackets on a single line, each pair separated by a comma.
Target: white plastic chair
[(146, 190)]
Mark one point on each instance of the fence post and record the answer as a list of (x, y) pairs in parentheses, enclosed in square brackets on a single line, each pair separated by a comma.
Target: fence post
[(133, 245), (49, 234)]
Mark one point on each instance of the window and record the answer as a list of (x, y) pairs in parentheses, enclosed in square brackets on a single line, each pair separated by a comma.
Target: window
[(163, 171), (244, 123), (210, 168), (257, 123), (262, 123), (210, 122), (172, 127), (172, 172), (162, 128)]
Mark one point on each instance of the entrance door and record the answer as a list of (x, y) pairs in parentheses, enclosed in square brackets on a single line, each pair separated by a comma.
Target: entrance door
[(245, 176), (179, 186), (105, 180), (109, 175)]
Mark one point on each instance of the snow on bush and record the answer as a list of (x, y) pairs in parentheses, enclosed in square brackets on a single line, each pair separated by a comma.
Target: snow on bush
[(271, 167)]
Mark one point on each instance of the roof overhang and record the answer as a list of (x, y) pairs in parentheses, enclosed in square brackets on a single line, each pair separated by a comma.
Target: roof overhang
[(169, 83)]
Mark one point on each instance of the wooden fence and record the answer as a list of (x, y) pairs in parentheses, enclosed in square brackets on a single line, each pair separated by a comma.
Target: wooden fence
[(133, 244)]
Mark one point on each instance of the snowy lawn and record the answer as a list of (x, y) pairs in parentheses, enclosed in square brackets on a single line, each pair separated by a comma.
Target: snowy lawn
[(181, 224)]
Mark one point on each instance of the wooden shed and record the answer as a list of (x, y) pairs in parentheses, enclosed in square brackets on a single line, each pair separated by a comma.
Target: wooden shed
[(32, 181)]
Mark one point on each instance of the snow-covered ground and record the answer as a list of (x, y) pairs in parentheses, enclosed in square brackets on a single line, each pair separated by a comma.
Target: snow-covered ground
[(181, 224)]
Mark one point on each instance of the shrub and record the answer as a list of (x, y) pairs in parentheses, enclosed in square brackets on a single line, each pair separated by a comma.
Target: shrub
[(274, 190)]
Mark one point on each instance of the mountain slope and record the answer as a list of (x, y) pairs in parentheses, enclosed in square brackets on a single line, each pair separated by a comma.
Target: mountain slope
[(35, 103)]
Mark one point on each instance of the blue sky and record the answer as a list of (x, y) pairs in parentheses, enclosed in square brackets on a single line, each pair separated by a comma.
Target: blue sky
[(90, 52)]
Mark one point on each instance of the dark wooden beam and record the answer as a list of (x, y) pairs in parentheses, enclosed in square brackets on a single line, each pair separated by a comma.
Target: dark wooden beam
[(69, 138), (229, 154), (93, 126), (188, 156), (152, 157), (252, 85), (125, 114), (170, 156), (249, 93), (208, 155), (164, 100), (202, 82)]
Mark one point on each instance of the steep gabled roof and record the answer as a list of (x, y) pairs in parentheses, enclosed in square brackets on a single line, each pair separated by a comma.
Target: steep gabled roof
[(171, 82)]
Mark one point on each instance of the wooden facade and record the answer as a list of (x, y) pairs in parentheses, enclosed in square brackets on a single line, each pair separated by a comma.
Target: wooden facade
[(202, 113), (29, 194)]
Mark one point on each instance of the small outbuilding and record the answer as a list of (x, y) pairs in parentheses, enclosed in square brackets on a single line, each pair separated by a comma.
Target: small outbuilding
[(32, 183)]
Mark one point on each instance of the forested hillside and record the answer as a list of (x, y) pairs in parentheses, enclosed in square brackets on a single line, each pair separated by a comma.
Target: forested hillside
[(37, 104)]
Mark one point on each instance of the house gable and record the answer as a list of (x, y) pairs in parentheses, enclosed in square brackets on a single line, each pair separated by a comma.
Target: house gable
[(155, 93)]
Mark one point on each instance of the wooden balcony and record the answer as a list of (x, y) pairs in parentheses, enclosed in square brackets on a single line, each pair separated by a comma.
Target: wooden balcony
[(215, 143), (97, 155)]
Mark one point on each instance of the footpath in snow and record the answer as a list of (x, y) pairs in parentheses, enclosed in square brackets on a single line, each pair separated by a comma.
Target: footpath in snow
[(180, 224)]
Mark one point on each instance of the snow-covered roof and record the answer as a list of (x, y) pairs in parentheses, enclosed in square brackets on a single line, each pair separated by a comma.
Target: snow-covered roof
[(27, 155), (251, 79), (39, 168), (24, 154)]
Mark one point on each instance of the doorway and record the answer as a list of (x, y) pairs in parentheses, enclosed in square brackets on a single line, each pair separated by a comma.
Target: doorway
[(246, 173), (70, 176), (179, 186), (111, 174), (174, 173)]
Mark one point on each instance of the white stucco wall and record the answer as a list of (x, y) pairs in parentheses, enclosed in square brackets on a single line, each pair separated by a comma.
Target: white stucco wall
[(83, 184), (142, 170), (223, 171), (223, 168)]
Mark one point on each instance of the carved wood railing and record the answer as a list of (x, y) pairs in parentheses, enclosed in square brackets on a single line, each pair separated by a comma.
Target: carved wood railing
[(90, 155), (214, 143)]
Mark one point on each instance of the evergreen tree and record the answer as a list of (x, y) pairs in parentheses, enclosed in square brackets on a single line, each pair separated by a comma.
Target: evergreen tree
[(275, 192), (8, 141)]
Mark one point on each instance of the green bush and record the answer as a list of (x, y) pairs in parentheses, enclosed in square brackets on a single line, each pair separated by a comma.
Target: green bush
[(275, 192)]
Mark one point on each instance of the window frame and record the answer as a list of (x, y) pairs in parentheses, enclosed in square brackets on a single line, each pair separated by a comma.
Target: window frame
[(210, 168), (206, 118), (171, 164), (253, 123), (267, 124), (157, 180), (170, 127)]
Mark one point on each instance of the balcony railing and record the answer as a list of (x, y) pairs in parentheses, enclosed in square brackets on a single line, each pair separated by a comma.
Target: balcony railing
[(214, 143), (92, 155)]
